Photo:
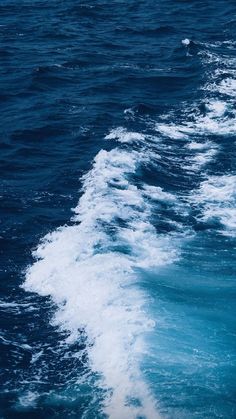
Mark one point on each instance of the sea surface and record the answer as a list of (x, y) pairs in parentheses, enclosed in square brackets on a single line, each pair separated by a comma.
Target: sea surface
[(118, 209)]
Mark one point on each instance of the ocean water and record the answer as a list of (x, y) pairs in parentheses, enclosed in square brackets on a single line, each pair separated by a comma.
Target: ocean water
[(118, 209)]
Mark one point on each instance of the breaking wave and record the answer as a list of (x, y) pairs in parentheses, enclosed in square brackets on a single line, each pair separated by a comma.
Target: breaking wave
[(92, 268)]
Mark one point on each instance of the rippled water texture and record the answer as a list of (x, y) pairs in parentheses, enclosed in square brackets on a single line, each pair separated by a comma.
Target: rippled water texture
[(118, 209)]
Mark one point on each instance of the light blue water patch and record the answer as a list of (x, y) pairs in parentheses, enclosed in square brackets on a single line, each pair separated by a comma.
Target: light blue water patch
[(191, 364)]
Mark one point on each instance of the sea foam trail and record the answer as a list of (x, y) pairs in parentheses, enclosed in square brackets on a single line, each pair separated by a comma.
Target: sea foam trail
[(89, 270), (219, 114)]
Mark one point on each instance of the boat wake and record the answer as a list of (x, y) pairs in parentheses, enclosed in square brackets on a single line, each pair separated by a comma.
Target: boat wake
[(92, 269)]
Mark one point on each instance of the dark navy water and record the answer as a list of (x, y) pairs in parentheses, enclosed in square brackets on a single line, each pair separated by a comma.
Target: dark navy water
[(118, 209)]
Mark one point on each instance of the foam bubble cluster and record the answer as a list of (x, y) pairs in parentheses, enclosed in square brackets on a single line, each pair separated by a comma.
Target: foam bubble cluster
[(89, 268)]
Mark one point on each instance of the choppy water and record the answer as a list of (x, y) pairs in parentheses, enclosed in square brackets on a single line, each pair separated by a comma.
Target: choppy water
[(124, 306)]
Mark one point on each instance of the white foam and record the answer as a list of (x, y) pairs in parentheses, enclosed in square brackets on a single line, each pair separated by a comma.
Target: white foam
[(216, 108), (228, 87), (89, 268), (157, 193), (214, 122), (217, 197), (197, 161), (28, 399), (185, 42), (124, 136), (193, 145), (175, 132), (218, 188)]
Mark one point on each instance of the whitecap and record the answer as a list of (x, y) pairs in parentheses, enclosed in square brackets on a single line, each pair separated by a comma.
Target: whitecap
[(216, 197), (186, 42), (123, 136), (175, 132), (90, 271), (215, 121)]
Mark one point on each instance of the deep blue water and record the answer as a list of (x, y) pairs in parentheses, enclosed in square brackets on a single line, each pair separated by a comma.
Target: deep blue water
[(125, 112)]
